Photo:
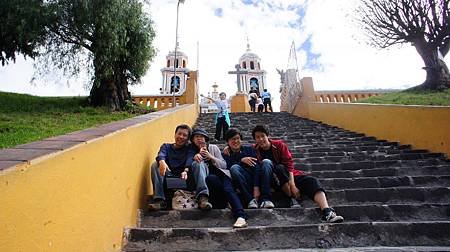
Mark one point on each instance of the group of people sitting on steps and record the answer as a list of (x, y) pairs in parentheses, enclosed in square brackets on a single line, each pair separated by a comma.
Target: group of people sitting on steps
[(253, 171)]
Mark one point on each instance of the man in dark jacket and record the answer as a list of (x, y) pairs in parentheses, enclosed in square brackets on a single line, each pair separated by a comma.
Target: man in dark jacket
[(174, 159), (276, 159), (246, 171)]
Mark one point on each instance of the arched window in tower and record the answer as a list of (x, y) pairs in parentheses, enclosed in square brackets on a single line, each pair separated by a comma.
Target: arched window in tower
[(176, 86), (254, 84), (184, 63), (244, 65), (252, 65), (177, 63), (259, 66), (168, 63)]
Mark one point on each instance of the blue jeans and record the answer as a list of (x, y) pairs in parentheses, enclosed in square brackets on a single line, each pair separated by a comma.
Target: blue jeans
[(222, 185), (198, 172), (271, 172), (245, 180)]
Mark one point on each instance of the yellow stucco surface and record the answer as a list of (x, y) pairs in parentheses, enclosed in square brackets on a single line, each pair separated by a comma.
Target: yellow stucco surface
[(239, 103), (80, 199), (424, 127)]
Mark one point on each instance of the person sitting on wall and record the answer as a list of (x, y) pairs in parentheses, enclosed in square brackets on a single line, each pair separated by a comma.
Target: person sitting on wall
[(173, 159), (276, 159)]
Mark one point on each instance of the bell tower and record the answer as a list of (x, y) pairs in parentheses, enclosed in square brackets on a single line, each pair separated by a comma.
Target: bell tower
[(174, 78)]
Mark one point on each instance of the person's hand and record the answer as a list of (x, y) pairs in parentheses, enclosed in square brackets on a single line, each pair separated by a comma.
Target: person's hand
[(250, 161), (163, 168), (205, 153), (184, 175), (226, 150), (198, 157), (295, 193), (256, 192)]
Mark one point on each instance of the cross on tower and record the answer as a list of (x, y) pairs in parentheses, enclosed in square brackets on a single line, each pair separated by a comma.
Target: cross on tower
[(238, 73)]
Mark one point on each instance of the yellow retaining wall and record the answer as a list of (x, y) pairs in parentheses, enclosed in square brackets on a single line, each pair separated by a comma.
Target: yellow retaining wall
[(424, 127), (80, 199)]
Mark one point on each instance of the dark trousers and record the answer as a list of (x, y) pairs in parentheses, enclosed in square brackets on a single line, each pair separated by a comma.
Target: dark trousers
[(252, 103), (220, 186), (221, 127), (267, 103)]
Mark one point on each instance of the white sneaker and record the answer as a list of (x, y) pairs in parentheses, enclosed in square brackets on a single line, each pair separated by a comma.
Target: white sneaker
[(267, 204), (253, 204), (240, 223)]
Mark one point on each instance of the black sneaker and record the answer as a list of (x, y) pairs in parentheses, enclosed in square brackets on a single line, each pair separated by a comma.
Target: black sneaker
[(157, 204), (330, 216), (203, 203)]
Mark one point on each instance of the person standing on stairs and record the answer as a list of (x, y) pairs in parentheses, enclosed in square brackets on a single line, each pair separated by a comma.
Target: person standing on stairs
[(252, 98), (173, 159), (246, 171), (222, 118), (267, 99), (276, 159), (207, 160)]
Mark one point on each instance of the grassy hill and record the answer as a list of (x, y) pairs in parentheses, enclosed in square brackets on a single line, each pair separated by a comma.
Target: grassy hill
[(412, 98), (26, 118)]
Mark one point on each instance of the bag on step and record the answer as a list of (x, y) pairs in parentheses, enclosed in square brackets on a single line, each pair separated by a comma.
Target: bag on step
[(184, 200)]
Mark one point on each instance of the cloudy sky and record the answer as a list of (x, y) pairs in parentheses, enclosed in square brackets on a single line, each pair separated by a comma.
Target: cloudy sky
[(330, 48)]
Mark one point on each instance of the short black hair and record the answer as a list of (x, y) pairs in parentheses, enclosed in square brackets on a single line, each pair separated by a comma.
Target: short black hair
[(265, 89), (231, 133), (260, 128), (184, 126)]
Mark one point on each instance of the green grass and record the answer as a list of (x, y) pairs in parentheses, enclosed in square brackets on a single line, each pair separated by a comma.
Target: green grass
[(412, 98), (26, 118)]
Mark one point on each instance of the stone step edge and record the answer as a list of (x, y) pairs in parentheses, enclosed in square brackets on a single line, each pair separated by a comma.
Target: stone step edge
[(318, 225), (149, 214)]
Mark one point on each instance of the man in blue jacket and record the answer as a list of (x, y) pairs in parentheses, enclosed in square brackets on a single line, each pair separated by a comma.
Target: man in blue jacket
[(174, 159)]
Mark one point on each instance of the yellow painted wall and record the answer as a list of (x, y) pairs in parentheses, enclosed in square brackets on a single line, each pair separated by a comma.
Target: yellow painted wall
[(239, 103), (82, 198), (424, 127)]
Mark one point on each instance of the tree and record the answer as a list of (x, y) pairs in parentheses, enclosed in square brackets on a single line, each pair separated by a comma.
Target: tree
[(113, 38), (423, 23), (22, 28)]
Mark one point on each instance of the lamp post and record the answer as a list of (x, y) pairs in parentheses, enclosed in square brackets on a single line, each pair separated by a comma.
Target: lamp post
[(175, 58)]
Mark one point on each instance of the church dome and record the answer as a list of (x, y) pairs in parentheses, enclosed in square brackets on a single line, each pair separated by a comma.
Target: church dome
[(179, 54), (249, 55)]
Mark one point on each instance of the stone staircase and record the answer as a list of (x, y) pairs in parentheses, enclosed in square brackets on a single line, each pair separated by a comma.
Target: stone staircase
[(393, 198)]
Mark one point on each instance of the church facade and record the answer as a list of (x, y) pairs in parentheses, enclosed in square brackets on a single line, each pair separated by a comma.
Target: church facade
[(253, 75), (174, 78)]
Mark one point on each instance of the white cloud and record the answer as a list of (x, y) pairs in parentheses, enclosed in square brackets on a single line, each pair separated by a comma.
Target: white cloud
[(347, 62)]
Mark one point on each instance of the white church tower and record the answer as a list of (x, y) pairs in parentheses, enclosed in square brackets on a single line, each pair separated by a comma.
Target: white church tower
[(254, 76), (168, 73)]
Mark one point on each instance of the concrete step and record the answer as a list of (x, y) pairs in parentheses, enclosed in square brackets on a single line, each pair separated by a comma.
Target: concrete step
[(359, 165), (385, 172), (296, 216), (394, 195), (384, 182), (347, 234)]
